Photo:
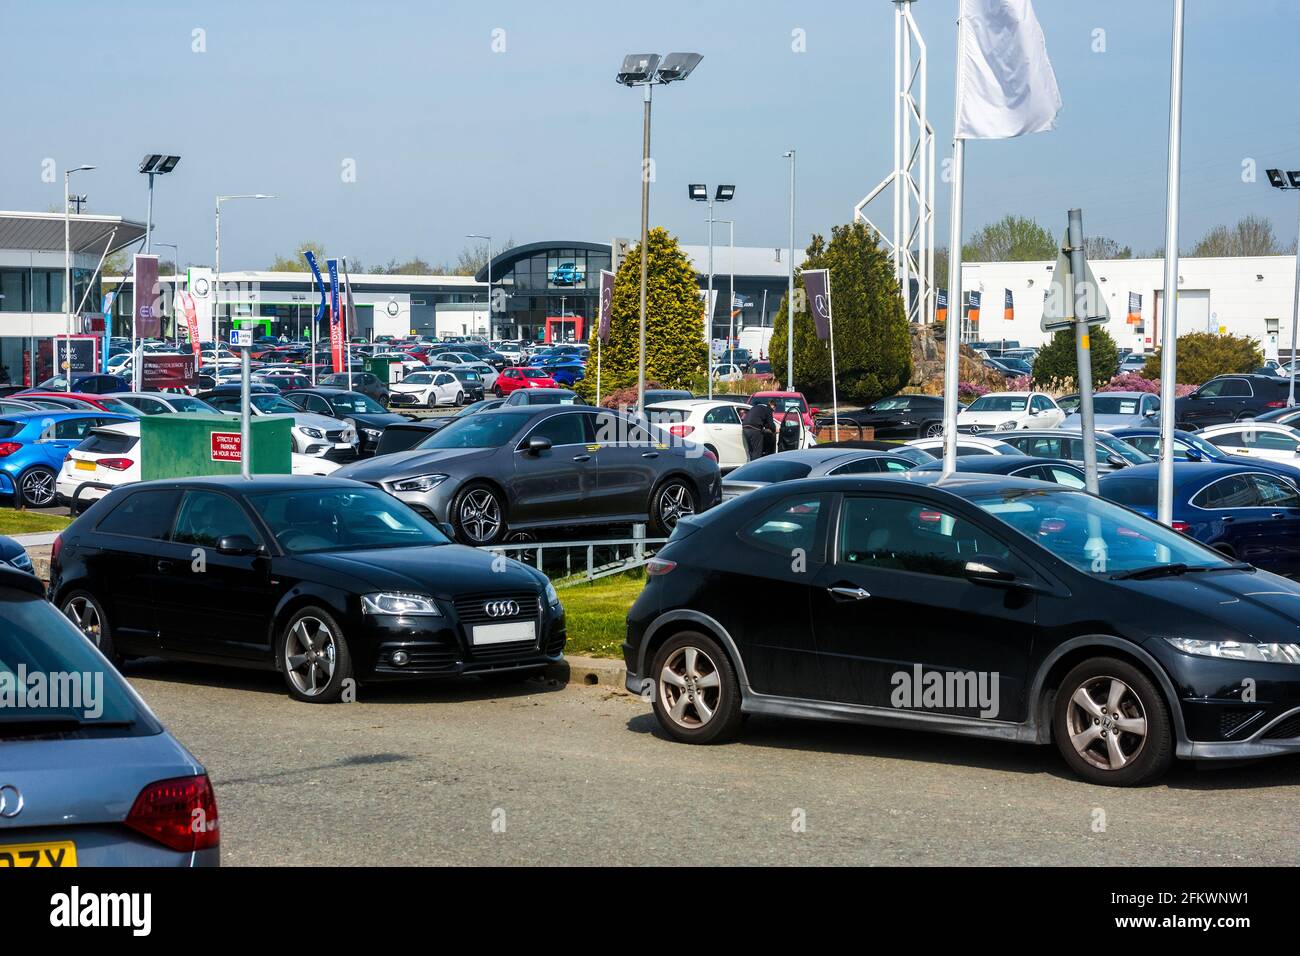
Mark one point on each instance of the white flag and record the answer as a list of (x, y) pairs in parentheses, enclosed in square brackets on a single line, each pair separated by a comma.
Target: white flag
[(1005, 83)]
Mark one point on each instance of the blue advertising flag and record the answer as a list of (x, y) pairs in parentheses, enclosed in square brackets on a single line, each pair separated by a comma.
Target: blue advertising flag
[(320, 311)]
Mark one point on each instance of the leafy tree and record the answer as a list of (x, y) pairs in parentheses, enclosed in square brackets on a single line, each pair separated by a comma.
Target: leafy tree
[(1203, 355), (873, 352), (412, 267), (1099, 247), (1251, 236), (296, 262), (1057, 364), (675, 348), (1010, 239)]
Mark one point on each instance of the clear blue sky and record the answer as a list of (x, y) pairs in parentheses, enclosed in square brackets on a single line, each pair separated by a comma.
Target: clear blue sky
[(538, 142)]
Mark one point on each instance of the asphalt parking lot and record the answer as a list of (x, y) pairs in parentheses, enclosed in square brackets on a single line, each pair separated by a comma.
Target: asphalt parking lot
[(547, 773)]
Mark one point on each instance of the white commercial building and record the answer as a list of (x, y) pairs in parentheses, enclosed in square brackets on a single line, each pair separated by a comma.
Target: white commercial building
[(1240, 296)]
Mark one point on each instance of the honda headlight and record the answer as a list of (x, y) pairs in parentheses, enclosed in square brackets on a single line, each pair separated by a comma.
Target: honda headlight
[(312, 432), (419, 483), (1008, 426), (1239, 650), (396, 602)]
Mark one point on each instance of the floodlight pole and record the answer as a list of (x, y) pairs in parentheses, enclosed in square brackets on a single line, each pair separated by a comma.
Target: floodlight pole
[(1169, 338), (1083, 299), (1295, 320), (789, 309), (645, 232), (708, 306), (67, 280)]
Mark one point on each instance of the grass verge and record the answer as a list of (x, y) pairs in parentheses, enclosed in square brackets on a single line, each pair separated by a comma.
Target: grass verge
[(30, 522), (596, 614)]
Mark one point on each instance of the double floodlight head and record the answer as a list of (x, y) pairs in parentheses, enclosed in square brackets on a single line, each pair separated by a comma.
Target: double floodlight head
[(700, 193), (1280, 181), (158, 163), (641, 68)]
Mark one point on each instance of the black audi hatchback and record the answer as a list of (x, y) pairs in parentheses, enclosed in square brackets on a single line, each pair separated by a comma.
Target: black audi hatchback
[(976, 604), (330, 582)]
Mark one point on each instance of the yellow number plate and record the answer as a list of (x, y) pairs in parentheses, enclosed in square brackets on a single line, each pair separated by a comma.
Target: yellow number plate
[(38, 854), (83, 465)]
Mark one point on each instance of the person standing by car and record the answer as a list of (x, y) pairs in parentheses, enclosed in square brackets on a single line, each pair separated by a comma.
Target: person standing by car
[(756, 425)]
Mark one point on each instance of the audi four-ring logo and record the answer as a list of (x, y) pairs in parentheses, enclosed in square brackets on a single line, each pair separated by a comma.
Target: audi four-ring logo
[(501, 608), (11, 801)]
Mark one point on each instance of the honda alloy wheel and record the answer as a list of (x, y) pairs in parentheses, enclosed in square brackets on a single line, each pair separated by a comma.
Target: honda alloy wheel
[(1112, 724), (696, 693)]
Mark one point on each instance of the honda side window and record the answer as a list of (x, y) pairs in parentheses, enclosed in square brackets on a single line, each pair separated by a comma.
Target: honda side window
[(904, 535), (790, 527)]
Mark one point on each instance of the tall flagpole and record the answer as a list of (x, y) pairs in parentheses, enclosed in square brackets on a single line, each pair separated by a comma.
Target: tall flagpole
[(952, 336), (1169, 337)]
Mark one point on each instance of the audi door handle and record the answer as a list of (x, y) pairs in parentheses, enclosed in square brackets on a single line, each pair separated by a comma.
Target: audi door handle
[(582, 458), (849, 594)]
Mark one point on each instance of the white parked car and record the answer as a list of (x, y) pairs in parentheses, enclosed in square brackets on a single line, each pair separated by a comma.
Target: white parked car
[(1006, 411), (409, 362), (513, 351), (313, 434), (110, 455), (218, 357), (485, 371), (966, 445), (728, 372), (715, 425), (427, 389), (1253, 439)]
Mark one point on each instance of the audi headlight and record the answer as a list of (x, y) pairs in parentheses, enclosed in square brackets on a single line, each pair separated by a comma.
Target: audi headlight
[(419, 483), (312, 432), (396, 602), (1008, 426), (552, 598), (1239, 650)]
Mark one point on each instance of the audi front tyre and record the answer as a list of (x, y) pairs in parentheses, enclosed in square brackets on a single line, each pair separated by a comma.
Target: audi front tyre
[(314, 657), (696, 693), (84, 610), (479, 516), (1112, 725)]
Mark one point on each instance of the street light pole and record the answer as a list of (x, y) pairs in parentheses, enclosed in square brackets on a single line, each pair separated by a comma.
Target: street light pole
[(708, 305), (789, 318), (645, 258), (1291, 180), (217, 296), (67, 277), (489, 278)]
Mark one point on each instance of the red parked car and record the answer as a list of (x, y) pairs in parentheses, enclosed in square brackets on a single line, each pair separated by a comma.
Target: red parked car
[(513, 379), (76, 401), (786, 402)]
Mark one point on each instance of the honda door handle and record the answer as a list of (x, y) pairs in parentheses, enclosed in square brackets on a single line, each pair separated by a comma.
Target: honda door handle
[(582, 458), (849, 594), (164, 566)]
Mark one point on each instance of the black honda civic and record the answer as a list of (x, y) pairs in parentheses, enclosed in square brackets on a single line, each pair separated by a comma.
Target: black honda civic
[(975, 604), (329, 581)]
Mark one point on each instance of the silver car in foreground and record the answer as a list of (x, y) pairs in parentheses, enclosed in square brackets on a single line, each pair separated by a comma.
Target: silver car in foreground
[(88, 776)]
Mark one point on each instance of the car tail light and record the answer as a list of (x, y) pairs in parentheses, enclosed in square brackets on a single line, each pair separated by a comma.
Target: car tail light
[(67, 458), (1051, 526), (56, 549), (657, 566), (1275, 405), (7, 448), (930, 517), (711, 456), (116, 464), (180, 813), (1182, 527), (681, 431)]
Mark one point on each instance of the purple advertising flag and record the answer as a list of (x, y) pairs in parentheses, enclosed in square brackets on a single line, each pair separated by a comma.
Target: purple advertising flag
[(606, 303), (817, 283), (148, 316)]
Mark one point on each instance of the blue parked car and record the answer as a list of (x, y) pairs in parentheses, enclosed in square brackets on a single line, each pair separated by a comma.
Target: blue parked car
[(1189, 446), (566, 273), (90, 777), (1242, 511), (33, 446), (566, 374)]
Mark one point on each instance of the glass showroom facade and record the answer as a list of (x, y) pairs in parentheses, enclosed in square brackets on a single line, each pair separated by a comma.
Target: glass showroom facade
[(549, 292)]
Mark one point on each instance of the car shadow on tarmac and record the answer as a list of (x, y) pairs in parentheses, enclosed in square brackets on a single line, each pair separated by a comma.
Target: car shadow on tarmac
[(411, 691), (893, 743)]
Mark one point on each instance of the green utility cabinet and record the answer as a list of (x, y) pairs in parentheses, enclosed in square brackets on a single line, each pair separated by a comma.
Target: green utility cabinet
[(193, 445), (387, 370)]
